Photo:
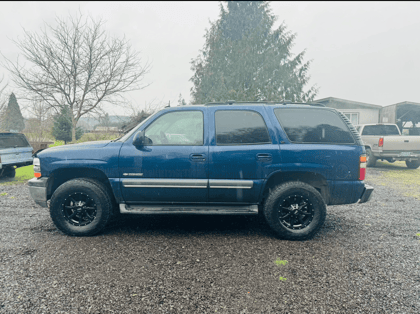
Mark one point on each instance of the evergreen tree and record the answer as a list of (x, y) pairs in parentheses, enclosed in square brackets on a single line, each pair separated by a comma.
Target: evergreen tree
[(245, 59), (62, 129), (181, 101), (13, 119)]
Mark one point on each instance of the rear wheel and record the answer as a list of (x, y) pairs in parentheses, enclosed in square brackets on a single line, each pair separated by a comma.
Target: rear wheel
[(370, 159), (414, 164), (81, 207), (295, 211)]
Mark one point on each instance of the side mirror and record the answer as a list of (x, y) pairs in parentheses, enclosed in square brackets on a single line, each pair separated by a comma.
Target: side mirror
[(139, 139)]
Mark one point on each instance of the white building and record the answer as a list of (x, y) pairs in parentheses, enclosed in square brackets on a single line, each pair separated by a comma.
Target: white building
[(356, 112)]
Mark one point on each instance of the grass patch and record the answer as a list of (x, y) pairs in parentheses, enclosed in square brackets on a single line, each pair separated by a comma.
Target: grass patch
[(397, 176), (23, 174), (56, 143), (280, 262)]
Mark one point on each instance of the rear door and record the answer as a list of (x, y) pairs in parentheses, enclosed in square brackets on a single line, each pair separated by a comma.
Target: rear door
[(241, 151)]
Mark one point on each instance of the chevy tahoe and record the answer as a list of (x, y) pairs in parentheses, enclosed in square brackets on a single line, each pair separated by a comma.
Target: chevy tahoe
[(285, 161)]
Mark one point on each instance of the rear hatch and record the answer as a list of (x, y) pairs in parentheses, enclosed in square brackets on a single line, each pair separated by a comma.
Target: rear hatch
[(403, 144), (14, 149)]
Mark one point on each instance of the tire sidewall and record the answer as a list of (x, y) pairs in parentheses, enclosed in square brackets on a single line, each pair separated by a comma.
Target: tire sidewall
[(371, 159), (9, 172), (80, 186), (277, 198), (413, 164)]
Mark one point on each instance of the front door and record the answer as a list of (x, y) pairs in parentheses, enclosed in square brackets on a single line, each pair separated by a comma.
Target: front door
[(173, 168)]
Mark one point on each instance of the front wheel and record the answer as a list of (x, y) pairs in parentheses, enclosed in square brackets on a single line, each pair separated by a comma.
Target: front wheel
[(414, 164), (80, 207), (295, 211)]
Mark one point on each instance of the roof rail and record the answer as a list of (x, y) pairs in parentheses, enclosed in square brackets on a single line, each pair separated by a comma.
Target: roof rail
[(285, 102)]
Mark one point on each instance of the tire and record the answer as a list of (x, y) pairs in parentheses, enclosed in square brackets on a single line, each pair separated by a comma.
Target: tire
[(9, 172), (370, 159), (115, 213), (285, 206), (413, 164), (80, 207)]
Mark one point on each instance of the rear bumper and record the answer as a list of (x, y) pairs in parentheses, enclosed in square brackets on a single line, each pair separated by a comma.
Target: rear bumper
[(396, 155), (38, 190), (367, 194)]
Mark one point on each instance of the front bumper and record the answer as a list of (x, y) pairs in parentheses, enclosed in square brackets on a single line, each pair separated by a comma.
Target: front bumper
[(38, 190), (367, 194)]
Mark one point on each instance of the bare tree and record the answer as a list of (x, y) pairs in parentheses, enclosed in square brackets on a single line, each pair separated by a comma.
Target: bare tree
[(3, 99), (38, 128), (136, 116), (78, 64)]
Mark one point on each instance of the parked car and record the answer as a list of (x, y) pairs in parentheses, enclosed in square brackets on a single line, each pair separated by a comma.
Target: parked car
[(285, 161), (384, 141), (15, 152)]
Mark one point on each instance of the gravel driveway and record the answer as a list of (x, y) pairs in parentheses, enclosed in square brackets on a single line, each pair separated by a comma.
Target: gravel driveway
[(366, 259)]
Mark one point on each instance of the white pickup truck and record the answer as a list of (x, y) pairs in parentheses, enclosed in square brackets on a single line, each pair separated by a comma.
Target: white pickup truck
[(15, 152), (384, 141)]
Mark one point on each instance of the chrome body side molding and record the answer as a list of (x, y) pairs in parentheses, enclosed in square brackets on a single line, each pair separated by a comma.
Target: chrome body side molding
[(187, 183), (165, 183), (231, 184)]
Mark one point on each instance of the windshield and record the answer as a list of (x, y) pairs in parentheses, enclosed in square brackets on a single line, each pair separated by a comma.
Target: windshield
[(133, 130)]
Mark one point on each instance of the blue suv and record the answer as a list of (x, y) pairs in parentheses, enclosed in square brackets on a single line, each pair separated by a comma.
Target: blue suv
[(285, 161)]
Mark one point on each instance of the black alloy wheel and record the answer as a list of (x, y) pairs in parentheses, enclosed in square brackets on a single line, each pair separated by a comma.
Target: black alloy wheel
[(296, 212), (79, 209)]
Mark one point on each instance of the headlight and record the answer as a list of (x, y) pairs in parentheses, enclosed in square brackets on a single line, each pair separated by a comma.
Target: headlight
[(37, 168)]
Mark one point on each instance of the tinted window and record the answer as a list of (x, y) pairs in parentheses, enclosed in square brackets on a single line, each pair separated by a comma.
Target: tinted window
[(177, 128), (313, 126), (380, 130), (240, 127), (13, 140)]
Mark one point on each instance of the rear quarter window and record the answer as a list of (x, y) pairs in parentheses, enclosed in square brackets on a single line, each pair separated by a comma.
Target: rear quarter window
[(313, 126)]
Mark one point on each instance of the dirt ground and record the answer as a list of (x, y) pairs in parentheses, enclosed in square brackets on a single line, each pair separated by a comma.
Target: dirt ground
[(366, 259)]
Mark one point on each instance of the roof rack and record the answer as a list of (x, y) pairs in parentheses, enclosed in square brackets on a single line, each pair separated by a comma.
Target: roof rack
[(285, 102)]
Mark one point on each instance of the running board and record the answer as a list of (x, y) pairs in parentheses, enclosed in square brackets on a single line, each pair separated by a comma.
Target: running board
[(189, 209)]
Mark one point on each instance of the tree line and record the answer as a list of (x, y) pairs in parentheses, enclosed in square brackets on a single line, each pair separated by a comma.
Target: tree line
[(74, 67)]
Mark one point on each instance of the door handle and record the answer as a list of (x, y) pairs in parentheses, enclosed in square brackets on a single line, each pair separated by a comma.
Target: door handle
[(197, 157), (264, 157)]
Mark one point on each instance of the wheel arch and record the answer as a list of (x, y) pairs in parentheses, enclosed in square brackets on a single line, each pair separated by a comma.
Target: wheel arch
[(62, 175), (316, 180)]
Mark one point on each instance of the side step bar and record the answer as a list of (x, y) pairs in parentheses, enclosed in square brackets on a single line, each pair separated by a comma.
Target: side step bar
[(189, 209)]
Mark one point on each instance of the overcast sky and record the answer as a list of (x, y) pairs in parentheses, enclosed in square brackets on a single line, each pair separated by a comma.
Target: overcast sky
[(367, 52)]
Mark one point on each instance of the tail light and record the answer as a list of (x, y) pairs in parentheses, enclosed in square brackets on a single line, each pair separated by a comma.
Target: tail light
[(381, 142), (362, 167)]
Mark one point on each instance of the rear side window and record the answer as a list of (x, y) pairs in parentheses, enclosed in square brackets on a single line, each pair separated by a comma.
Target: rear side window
[(380, 130), (13, 140), (240, 127), (313, 126)]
